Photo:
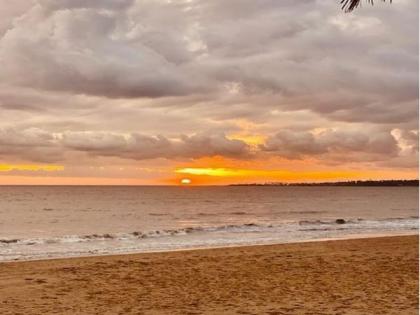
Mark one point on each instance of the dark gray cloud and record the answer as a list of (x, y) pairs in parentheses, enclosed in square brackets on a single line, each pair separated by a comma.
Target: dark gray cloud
[(138, 147), (85, 4), (106, 77), (297, 145), (398, 148), (41, 146), (32, 144)]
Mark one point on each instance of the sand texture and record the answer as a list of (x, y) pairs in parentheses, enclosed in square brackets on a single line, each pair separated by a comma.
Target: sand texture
[(364, 276)]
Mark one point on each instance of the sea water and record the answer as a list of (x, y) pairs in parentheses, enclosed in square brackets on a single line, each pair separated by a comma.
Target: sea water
[(38, 222)]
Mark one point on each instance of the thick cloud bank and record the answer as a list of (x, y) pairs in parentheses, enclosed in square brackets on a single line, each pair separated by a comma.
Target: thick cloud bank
[(126, 78), (131, 146)]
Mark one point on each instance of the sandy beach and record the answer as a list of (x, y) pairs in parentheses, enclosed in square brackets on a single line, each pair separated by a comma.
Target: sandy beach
[(361, 276)]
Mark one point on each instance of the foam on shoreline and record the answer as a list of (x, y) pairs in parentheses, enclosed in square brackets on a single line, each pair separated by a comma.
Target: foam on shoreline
[(199, 237)]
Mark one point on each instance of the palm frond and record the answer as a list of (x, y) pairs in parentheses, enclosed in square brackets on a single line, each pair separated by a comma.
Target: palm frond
[(350, 5)]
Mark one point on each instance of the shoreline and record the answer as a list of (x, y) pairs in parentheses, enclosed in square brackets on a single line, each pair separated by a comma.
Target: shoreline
[(343, 238), (353, 276)]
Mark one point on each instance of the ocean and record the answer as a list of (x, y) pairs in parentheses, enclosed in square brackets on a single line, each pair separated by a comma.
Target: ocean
[(38, 222)]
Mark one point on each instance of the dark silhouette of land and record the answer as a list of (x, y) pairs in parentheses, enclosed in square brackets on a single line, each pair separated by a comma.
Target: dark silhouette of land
[(361, 183)]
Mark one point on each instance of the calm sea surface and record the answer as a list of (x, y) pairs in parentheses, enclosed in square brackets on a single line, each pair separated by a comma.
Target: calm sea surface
[(62, 221)]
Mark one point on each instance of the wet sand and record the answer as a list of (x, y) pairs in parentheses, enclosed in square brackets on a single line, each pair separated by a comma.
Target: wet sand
[(362, 276)]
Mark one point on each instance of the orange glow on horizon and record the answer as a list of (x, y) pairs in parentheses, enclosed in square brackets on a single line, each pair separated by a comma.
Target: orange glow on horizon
[(201, 172), (269, 174), (30, 167), (220, 176), (222, 172)]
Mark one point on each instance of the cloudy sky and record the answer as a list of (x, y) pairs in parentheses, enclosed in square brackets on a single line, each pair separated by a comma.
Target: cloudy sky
[(150, 92)]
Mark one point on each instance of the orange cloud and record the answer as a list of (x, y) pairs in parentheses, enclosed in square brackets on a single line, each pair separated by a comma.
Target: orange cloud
[(30, 167), (252, 140)]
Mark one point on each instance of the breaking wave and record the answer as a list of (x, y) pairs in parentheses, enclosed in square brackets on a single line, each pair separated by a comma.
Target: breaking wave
[(339, 224)]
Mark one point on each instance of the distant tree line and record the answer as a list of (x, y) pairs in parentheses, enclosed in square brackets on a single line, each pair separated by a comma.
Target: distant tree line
[(360, 183)]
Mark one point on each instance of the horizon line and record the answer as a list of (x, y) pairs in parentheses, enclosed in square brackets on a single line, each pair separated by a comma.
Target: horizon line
[(217, 185)]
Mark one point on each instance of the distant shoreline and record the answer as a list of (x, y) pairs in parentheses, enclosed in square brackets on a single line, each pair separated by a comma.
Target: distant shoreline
[(359, 183)]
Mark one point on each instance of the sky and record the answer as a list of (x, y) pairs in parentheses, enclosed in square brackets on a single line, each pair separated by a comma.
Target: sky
[(213, 92)]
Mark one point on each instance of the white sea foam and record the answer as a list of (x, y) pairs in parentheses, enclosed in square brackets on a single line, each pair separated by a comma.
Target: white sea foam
[(196, 237)]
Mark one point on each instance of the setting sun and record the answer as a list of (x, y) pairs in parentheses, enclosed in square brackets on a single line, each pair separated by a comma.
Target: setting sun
[(185, 181)]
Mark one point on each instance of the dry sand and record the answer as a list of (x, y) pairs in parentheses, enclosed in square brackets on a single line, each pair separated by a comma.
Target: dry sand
[(364, 276)]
